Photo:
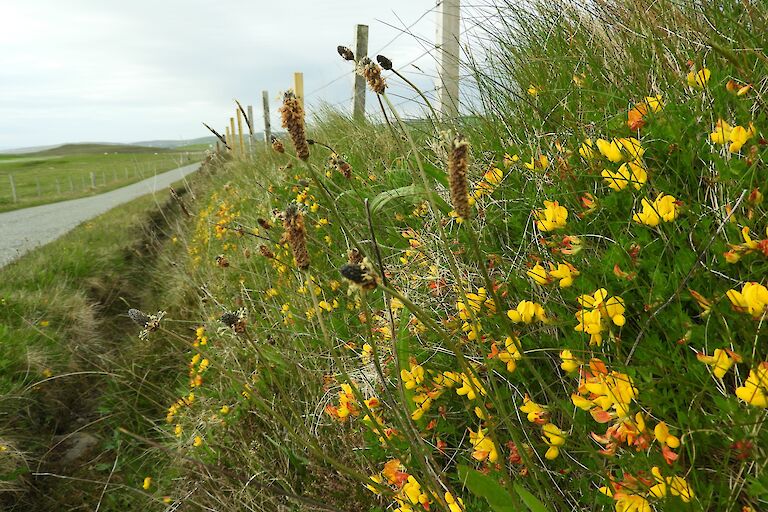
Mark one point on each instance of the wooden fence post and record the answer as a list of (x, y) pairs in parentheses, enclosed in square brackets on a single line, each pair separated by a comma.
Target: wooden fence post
[(233, 143), (58, 187), (13, 188), (448, 57), (298, 87), (250, 128), (37, 183), (241, 144), (71, 185), (267, 122), (358, 93), (93, 180)]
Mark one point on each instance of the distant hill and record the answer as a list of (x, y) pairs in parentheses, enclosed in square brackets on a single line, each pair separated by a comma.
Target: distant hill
[(176, 143), (79, 149)]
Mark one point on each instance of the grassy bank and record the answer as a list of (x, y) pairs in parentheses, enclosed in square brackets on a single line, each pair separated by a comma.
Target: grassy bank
[(65, 173), (63, 324)]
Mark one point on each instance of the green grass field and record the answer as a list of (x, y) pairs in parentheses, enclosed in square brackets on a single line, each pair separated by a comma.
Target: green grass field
[(65, 173)]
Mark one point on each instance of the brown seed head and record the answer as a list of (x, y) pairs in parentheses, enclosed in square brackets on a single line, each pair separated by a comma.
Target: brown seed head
[(384, 62), (296, 235), (264, 250), (292, 114), (345, 53), (277, 145), (372, 73), (457, 176)]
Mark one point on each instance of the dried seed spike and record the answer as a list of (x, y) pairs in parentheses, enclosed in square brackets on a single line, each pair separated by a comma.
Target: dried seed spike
[(372, 73), (384, 62), (360, 274), (345, 53), (277, 145), (292, 114), (457, 176), (296, 235), (138, 316)]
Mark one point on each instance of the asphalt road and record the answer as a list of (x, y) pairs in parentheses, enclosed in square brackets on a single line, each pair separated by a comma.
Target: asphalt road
[(23, 230)]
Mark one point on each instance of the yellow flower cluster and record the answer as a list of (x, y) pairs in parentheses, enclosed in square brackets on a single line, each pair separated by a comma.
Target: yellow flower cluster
[(755, 388), (663, 208), (552, 217), (527, 312), (752, 299), (737, 135), (597, 312), (553, 436), (565, 272)]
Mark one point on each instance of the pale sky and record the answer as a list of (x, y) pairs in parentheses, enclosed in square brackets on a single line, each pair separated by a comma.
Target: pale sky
[(125, 71)]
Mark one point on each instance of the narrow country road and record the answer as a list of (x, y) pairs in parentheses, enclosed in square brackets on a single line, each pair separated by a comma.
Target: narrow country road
[(23, 230)]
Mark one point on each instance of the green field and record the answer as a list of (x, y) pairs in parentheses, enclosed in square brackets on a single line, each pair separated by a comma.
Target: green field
[(78, 170)]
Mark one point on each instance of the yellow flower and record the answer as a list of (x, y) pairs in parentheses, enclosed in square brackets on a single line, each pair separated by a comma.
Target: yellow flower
[(555, 438), (511, 353), (721, 361), (630, 172), (198, 441), (654, 103), (224, 410), (539, 274), (623, 149), (470, 386), (536, 413), (541, 163), (553, 216), (414, 377), (423, 404), (699, 79), (570, 363), (755, 388), (454, 504), (565, 272), (736, 135), (493, 176), (596, 308), (662, 435), (664, 208), (484, 448), (526, 312), (674, 485), (147, 483), (752, 299), (587, 150), (533, 91)]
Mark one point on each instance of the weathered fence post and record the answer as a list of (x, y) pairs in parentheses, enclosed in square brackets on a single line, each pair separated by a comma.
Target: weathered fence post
[(233, 143), (298, 87), (448, 57), (58, 187), (93, 180), (13, 188), (250, 129), (267, 123), (241, 144), (358, 93), (37, 183), (71, 185)]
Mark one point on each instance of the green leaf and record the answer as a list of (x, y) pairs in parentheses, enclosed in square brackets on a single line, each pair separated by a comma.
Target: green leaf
[(486, 487), (384, 197), (531, 501)]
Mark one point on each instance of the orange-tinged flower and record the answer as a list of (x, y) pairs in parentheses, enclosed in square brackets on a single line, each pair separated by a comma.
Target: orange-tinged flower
[(537, 413), (484, 447), (511, 353), (721, 361)]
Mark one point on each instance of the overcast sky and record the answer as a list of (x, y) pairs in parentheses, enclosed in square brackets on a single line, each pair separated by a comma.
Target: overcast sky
[(119, 71)]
